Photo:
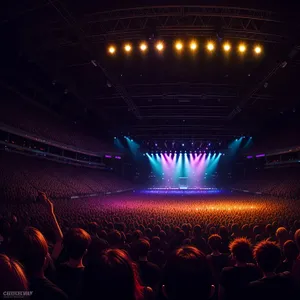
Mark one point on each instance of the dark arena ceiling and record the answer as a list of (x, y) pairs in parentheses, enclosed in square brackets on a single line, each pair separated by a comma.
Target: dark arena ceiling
[(63, 45)]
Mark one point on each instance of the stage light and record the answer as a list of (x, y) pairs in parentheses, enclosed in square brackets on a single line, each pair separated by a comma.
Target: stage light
[(179, 46), (242, 48), (160, 46), (210, 46), (226, 47), (127, 48), (111, 49), (193, 45), (143, 47), (257, 49), (115, 138), (182, 145)]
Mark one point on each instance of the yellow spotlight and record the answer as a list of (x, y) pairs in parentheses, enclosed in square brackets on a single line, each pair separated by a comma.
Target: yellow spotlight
[(257, 49), (143, 47), (193, 45), (242, 48), (127, 47), (210, 46), (111, 49), (179, 46), (160, 46), (226, 47)]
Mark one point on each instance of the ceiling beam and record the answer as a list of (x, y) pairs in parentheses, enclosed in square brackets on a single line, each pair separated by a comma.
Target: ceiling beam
[(93, 57)]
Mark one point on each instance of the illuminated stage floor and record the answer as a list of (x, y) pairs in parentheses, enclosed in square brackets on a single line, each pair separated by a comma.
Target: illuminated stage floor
[(180, 191)]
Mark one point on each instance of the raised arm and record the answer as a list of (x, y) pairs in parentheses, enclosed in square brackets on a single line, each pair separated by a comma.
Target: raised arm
[(57, 230)]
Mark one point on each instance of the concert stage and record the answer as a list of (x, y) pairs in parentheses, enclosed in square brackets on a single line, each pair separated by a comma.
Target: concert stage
[(180, 191)]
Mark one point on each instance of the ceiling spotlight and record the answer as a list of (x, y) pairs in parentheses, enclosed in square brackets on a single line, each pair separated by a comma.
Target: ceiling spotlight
[(111, 50), (193, 45), (127, 48), (143, 47), (226, 47), (160, 46), (242, 48), (210, 46), (257, 49), (179, 46)]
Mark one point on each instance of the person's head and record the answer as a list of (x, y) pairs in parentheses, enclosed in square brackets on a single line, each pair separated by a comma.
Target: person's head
[(223, 231), (113, 277), (187, 275), (282, 234), (197, 230), (245, 230), (297, 238), (114, 238), (96, 248), (212, 230), (241, 250), (267, 255), (290, 250), (30, 248), (142, 247), (215, 241), (235, 229), (93, 227), (269, 229), (256, 230), (77, 242), (155, 243), (12, 276)]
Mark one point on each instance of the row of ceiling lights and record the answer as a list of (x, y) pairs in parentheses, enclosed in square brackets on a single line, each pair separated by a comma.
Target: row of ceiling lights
[(193, 46)]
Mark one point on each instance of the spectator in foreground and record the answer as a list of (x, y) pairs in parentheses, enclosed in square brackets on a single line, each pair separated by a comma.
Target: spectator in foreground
[(291, 253), (271, 286), (70, 274), (296, 266), (282, 236), (198, 241), (188, 275), (235, 279), (114, 277), (12, 277), (217, 260), (30, 248), (149, 272), (156, 255)]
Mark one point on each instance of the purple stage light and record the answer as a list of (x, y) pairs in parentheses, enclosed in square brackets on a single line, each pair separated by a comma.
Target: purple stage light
[(117, 157), (250, 156), (107, 156), (260, 155)]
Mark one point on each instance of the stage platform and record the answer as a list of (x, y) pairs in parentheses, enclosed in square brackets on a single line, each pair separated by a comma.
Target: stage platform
[(180, 191)]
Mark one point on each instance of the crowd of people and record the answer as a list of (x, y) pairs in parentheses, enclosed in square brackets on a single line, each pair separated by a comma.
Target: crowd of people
[(22, 176), (45, 125), (276, 182), (228, 246)]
